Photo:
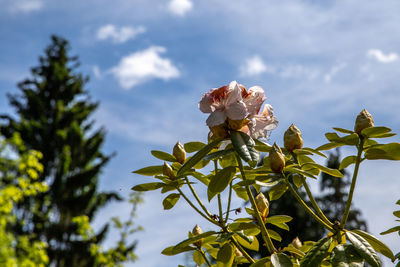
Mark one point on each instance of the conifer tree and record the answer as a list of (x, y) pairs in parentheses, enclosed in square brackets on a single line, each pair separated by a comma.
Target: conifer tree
[(53, 116)]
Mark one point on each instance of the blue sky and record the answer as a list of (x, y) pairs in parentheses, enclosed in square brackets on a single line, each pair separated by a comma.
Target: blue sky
[(320, 63)]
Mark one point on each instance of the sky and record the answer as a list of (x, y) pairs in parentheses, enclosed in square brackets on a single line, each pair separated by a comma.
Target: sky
[(319, 62)]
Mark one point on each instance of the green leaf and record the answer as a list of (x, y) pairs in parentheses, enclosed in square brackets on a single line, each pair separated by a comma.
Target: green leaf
[(396, 213), (317, 253), (193, 146), (279, 219), (237, 226), (150, 171), (280, 260), (329, 146), (198, 257), (350, 140), (346, 256), (163, 155), (375, 132), (218, 154), (341, 130), (244, 146), (274, 235), (347, 161), (332, 172), (148, 186), (220, 181), (193, 239), (261, 146), (170, 201), (198, 156), (364, 249), (277, 191), (376, 243), (241, 192), (225, 256), (171, 251), (254, 245), (295, 170), (389, 151), (247, 238), (264, 262), (391, 230), (298, 180)]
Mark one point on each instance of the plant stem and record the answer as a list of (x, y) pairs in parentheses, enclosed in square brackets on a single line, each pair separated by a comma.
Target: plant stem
[(197, 198), (304, 205), (245, 254), (229, 203), (353, 183), (195, 208), (205, 257), (267, 239), (311, 197), (220, 219)]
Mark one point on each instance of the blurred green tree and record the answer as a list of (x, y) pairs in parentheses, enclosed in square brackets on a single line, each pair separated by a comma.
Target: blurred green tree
[(53, 117)]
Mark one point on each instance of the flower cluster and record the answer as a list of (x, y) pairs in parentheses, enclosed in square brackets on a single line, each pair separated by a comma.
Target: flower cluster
[(233, 107)]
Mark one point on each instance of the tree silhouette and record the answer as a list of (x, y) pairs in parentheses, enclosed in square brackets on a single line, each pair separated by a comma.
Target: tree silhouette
[(53, 116)]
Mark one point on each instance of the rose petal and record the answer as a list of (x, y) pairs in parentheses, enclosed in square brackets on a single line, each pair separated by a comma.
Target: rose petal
[(261, 124), (254, 100), (216, 118), (206, 103), (234, 93), (236, 111)]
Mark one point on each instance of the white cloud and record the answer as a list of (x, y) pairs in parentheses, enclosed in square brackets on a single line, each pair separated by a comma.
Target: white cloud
[(118, 36), (381, 57), (298, 71), (26, 6), (180, 7), (333, 71), (144, 65), (97, 72), (255, 66)]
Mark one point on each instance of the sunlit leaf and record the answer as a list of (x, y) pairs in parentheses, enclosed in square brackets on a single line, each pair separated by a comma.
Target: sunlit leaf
[(148, 186), (332, 172), (274, 235), (150, 171), (171, 251), (193, 146), (218, 154), (317, 253), (220, 181), (194, 239), (170, 201), (277, 191), (198, 257), (198, 156), (389, 151), (375, 132), (376, 243), (346, 255), (347, 161), (281, 260), (163, 155), (364, 249), (341, 130), (225, 256)]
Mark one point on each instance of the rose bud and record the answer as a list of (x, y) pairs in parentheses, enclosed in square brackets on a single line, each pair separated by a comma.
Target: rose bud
[(167, 171), (364, 120), (276, 159), (179, 152), (197, 231), (292, 138), (297, 243), (262, 205)]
